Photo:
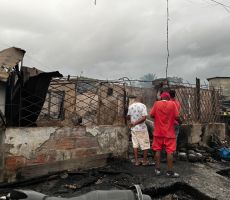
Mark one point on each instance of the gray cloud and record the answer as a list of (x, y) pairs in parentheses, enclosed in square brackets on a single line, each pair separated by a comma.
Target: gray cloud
[(119, 38)]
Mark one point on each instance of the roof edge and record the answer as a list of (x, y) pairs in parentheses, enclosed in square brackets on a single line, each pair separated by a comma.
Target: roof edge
[(218, 77)]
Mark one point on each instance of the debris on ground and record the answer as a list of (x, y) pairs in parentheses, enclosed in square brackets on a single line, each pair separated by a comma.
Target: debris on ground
[(123, 175)]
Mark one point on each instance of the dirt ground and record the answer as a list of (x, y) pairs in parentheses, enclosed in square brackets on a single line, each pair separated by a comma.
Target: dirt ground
[(122, 174)]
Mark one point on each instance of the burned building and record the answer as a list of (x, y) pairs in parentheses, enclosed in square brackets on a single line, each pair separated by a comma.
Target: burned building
[(223, 83)]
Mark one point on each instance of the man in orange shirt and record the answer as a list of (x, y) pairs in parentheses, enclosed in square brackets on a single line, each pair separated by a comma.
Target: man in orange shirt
[(164, 113)]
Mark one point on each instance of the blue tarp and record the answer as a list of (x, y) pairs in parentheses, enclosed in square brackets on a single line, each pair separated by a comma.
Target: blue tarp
[(225, 153)]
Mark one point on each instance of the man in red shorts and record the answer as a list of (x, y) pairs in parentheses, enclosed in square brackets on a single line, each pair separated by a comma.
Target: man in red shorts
[(164, 113)]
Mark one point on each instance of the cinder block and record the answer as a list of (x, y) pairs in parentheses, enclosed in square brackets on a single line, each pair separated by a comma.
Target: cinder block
[(189, 134), (195, 134)]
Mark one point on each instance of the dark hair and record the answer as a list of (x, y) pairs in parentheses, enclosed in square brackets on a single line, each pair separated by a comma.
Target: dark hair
[(165, 90), (172, 93)]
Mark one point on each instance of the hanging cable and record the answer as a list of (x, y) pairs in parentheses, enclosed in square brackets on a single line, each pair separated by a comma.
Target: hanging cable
[(226, 7), (167, 64)]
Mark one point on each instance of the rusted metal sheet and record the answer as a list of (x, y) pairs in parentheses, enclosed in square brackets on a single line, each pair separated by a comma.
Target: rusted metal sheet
[(11, 56), (8, 59)]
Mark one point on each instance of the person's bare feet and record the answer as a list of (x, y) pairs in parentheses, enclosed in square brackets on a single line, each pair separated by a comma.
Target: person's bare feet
[(145, 163), (137, 163)]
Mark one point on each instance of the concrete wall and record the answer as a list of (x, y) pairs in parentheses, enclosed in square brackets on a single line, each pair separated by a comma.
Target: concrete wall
[(43, 150), (200, 134)]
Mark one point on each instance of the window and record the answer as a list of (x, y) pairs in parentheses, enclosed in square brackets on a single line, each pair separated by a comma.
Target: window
[(53, 107)]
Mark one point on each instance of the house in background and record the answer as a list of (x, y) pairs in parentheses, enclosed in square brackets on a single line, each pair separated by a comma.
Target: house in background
[(224, 84), (28, 95)]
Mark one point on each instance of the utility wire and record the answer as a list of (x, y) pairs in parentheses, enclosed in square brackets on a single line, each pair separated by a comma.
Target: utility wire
[(222, 4), (42, 65), (167, 64), (226, 7), (29, 57)]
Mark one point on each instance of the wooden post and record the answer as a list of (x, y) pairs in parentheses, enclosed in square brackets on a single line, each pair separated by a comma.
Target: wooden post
[(198, 113), (99, 106), (213, 105), (125, 105)]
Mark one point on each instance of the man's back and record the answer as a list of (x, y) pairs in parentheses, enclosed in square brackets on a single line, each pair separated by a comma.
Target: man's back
[(164, 113), (136, 111)]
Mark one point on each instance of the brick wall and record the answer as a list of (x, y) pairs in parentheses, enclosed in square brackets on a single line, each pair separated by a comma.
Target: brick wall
[(26, 147)]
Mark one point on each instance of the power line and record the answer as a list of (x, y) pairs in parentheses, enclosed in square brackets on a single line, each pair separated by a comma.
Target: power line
[(167, 39), (30, 57), (39, 62), (222, 4), (225, 6)]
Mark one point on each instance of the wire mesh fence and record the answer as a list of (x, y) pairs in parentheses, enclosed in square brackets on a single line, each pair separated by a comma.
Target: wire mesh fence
[(84, 102), (72, 101), (198, 104)]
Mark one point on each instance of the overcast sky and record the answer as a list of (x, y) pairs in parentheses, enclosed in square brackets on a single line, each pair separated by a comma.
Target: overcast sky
[(118, 38)]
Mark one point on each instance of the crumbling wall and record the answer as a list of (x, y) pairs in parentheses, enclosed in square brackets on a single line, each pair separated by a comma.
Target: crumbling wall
[(201, 134), (60, 104), (37, 151), (70, 103), (111, 104)]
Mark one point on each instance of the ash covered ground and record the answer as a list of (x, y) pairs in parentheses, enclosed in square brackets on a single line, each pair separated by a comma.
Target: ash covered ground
[(122, 174)]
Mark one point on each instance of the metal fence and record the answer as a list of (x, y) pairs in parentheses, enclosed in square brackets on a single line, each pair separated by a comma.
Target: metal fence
[(199, 103), (79, 101), (87, 102)]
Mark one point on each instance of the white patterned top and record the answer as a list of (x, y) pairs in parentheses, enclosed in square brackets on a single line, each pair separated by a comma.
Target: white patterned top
[(137, 111)]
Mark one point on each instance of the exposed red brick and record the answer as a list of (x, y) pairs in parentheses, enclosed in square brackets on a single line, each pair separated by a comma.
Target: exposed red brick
[(51, 155), (65, 143), (51, 143), (86, 142), (14, 162), (41, 158), (84, 152), (80, 131)]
